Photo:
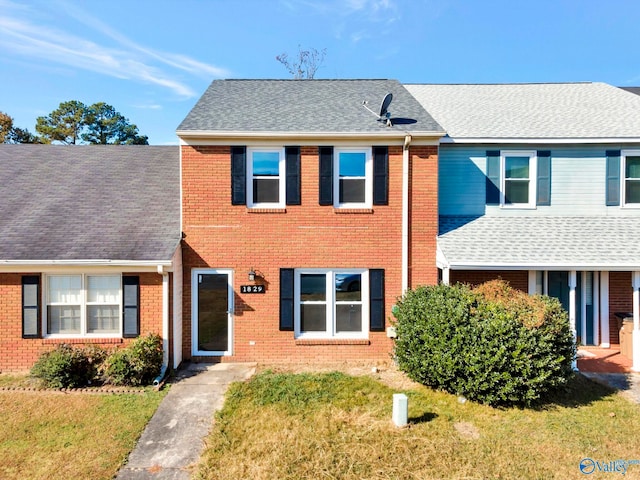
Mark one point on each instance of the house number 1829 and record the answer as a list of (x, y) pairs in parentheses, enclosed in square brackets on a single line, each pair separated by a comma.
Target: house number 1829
[(252, 289)]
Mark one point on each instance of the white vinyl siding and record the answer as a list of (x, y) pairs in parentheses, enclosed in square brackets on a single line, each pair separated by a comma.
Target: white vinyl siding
[(578, 183)]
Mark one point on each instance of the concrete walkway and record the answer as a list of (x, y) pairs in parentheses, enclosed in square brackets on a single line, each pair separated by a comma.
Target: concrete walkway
[(173, 438), (627, 383)]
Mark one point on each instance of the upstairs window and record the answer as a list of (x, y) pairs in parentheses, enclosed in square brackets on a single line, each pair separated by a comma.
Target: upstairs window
[(265, 178), (631, 185), (518, 173), (518, 178), (353, 178)]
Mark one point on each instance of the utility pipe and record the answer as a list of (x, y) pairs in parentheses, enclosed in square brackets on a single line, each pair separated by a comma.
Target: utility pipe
[(405, 213)]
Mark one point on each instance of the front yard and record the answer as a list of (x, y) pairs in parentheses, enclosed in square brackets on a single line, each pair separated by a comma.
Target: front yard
[(335, 426), (49, 435)]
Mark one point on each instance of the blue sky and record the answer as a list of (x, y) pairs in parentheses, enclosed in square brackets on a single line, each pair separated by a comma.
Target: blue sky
[(152, 59)]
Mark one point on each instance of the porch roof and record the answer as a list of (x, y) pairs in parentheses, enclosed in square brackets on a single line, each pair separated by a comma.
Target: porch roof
[(532, 243)]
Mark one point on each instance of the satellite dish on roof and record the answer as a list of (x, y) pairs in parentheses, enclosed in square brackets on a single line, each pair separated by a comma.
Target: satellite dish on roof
[(382, 114), (386, 101)]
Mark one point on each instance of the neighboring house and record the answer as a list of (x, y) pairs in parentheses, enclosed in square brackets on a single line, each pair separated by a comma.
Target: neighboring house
[(539, 184), (90, 238), (304, 218)]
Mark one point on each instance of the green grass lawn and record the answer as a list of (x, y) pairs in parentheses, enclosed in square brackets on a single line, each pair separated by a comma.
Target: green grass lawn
[(335, 426), (45, 435)]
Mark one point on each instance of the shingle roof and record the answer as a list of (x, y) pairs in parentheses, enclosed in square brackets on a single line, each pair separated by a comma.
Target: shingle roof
[(532, 111), (541, 241), (89, 202), (305, 106)]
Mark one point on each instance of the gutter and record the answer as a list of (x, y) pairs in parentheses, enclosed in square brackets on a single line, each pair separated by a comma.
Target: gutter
[(405, 213), (165, 326)]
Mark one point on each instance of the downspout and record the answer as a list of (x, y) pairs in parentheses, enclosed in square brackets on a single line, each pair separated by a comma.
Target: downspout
[(165, 326), (405, 213)]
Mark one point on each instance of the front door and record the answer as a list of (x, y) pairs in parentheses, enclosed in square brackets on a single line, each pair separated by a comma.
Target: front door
[(212, 312)]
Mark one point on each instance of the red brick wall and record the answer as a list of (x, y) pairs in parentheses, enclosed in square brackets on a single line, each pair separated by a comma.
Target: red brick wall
[(423, 215), (620, 300), (518, 279), (19, 354), (219, 235)]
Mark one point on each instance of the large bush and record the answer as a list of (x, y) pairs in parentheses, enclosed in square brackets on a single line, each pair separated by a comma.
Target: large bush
[(68, 367), (137, 364), (492, 344)]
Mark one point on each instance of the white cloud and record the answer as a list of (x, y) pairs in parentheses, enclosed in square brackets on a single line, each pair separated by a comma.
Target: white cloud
[(124, 60)]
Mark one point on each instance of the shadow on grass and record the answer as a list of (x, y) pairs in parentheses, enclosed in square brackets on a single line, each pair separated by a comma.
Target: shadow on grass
[(424, 418), (580, 391)]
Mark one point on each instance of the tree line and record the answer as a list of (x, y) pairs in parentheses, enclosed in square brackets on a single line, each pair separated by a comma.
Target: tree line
[(73, 123)]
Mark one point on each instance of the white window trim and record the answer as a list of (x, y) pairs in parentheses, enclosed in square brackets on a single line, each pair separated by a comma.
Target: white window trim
[(368, 179), (330, 333), (623, 179), (281, 178), (533, 177), (83, 306)]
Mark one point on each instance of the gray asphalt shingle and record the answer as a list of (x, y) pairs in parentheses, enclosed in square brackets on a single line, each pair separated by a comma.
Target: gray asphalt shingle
[(541, 241), (305, 106), (532, 111), (89, 202)]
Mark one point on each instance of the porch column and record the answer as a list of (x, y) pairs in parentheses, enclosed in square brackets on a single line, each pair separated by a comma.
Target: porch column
[(445, 275), (533, 282), (636, 322), (604, 310), (572, 310)]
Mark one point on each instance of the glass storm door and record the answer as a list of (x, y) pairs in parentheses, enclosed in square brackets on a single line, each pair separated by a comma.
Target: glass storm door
[(212, 307)]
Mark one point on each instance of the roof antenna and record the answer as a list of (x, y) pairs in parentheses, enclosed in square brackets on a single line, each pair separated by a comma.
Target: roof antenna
[(383, 114)]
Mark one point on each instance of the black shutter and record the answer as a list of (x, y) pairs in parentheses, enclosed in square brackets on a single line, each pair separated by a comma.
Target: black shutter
[(326, 176), (380, 175), (493, 178), (238, 175), (544, 178), (613, 178), (292, 161), (376, 300), (286, 299), (130, 306), (31, 306)]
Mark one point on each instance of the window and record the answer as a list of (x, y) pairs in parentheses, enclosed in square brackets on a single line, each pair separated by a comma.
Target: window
[(80, 305), (265, 178), (518, 178), (631, 171), (353, 178), (332, 303)]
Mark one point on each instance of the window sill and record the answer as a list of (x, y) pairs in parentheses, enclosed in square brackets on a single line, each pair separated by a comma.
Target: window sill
[(266, 210), (332, 341), (352, 211), (59, 340)]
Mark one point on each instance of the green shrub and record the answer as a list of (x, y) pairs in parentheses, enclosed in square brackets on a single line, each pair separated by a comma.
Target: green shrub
[(68, 367), (137, 364), (494, 344)]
